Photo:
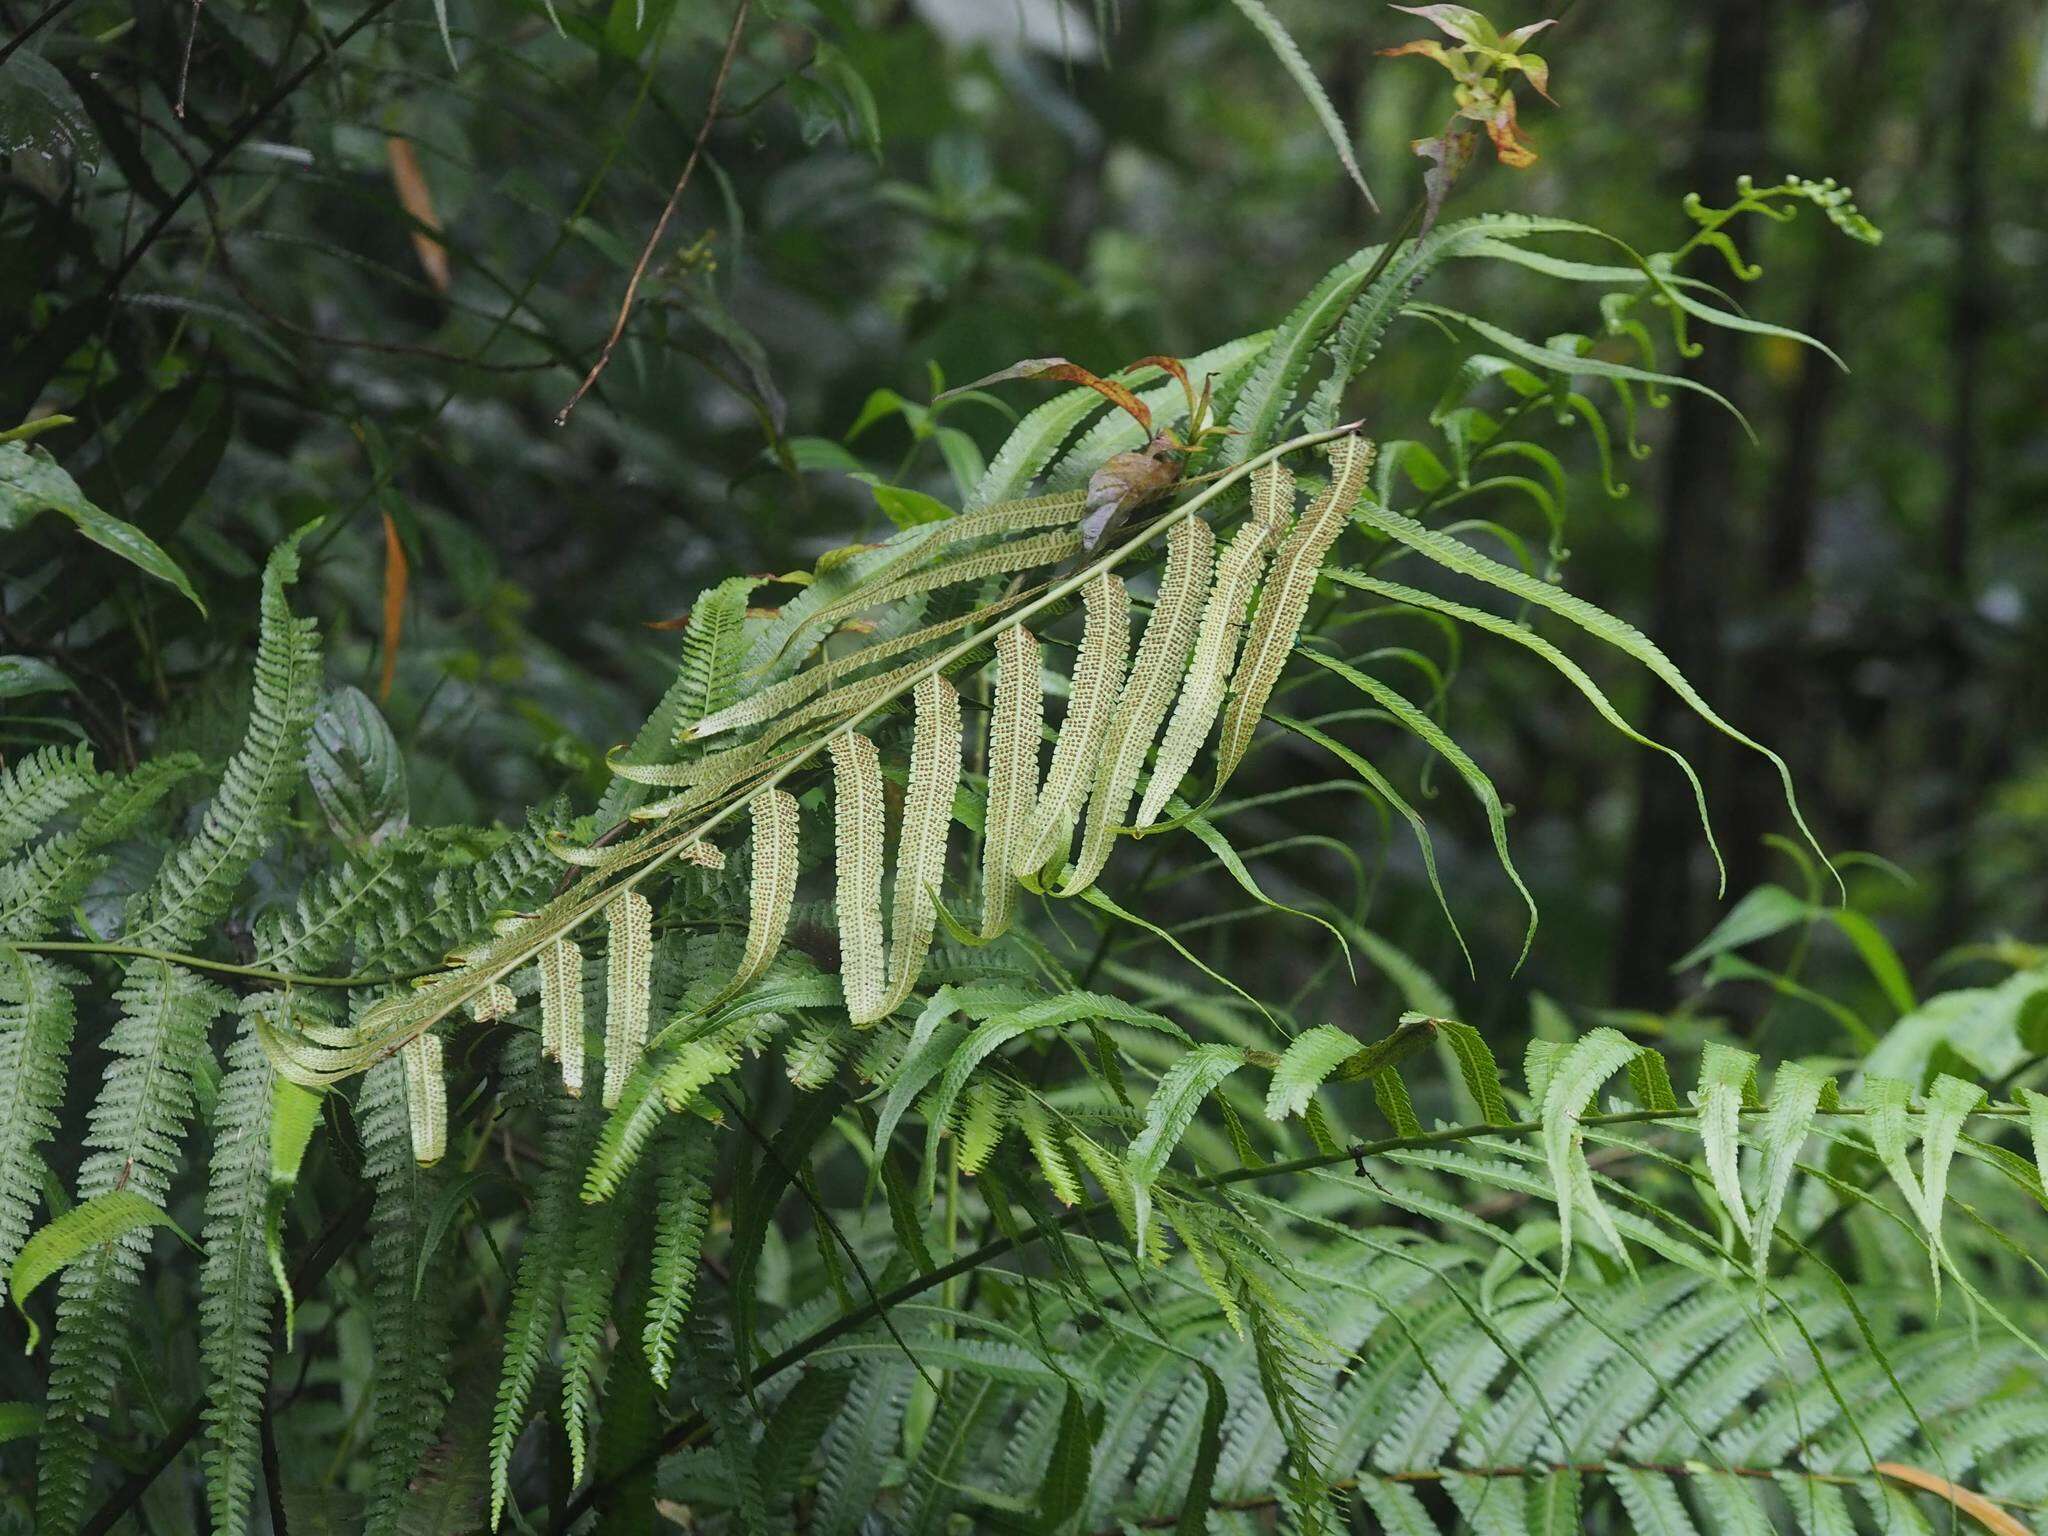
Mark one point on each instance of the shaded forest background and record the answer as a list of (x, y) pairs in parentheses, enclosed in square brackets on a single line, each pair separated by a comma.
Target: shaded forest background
[(308, 266)]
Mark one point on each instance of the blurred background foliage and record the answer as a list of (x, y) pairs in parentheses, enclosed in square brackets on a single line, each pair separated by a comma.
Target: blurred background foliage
[(322, 260)]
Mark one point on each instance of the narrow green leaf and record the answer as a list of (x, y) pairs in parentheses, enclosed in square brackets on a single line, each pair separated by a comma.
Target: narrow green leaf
[(84, 1227)]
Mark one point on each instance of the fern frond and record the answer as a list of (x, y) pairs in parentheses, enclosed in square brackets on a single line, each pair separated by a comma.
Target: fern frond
[(714, 647), (629, 923), (38, 787), (198, 881), (36, 1015), (1097, 682), (530, 1319), (1156, 677), (921, 840), (1283, 602), (1015, 726), (409, 1299), (48, 879), (137, 1125), (857, 840), (1207, 685), (682, 1212), (236, 1290)]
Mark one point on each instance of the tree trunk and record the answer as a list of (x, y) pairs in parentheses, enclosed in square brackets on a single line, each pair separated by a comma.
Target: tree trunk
[(1696, 554)]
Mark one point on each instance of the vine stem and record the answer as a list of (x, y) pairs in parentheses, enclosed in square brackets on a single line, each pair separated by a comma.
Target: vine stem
[(439, 1002), (685, 1431)]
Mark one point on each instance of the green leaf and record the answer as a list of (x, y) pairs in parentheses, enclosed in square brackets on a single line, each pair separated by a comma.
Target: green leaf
[(19, 1421), (1477, 1066), (84, 1227), (1186, 1083), (904, 507), (1725, 1074), (356, 769), (294, 1115), (1289, 54), (1795, 1094), (2037, 1126), (1067, 1471), (1571, 1087), (1310, 1058), (1767, 910), (1194, 1505), (32, 482), (23, 676)]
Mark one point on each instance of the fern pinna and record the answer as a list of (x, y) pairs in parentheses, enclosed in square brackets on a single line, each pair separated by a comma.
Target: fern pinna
[(822, 1196)]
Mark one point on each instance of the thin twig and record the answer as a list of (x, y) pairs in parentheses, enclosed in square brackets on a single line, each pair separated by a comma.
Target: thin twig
[(185, 64), (732, 48)]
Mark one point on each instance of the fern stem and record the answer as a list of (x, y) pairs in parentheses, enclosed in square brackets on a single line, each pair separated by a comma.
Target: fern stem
[(220, 967)]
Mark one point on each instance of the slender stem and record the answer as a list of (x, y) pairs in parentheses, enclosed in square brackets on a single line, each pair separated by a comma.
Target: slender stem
[(604, 357), (220, 967)]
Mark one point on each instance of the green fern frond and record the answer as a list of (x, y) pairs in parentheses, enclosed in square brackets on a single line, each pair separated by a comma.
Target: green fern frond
[(36, 788), (136, 1128), (37, 1011)]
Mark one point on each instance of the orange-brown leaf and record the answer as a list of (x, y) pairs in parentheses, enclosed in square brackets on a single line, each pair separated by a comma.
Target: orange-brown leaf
[(397, 576), (2002, 1522), (1062, 371), (417, 199)]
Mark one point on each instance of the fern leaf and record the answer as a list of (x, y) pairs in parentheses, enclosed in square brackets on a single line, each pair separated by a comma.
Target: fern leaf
[(1438, 741), (1288, 52), (52, 876), (708, 674), (773, 895), (1229, 598), (857, 841), (1015, 726), (36, 1016), (1573, 673), (1478, 1068), (1155, 681), (629, 922), (1454, 555), (426, 1099), (38, 787), (1190, 1080), (1049, 1152), (1570, 1088), (236, 1288), (1950, 1101), (136, 1127), (2037, 1128), (921, 839), (1310, 1058), (197, 883), (530, 1320), (560, 965), (409, 1296), (682, 1212), (588, 1277), (1726, 1074), (1097, 681), (1283, 602), (780, 699), (1795, 1094)]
